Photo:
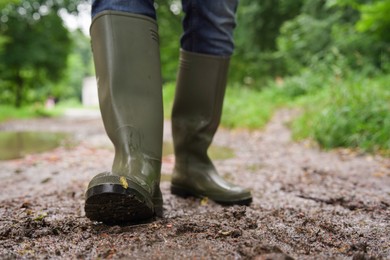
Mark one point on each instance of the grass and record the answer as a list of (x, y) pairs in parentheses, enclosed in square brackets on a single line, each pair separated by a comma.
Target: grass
[(354, 112), (250, 108), (9, 112), (349, 111)]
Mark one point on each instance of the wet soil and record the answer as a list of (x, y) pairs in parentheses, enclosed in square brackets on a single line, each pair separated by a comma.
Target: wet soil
[(308, 203)]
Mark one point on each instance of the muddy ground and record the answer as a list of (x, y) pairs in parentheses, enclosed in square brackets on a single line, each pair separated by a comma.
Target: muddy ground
[(308, 204)]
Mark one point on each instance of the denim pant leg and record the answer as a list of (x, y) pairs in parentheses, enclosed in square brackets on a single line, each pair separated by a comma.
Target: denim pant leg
[(208, 26), (144, 7)]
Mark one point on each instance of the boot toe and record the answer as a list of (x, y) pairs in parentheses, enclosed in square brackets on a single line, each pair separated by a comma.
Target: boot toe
[(235, 195)]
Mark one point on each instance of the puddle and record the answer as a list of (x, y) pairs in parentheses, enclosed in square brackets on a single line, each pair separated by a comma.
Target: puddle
[(215, 152), (15, 145), (166, 177)]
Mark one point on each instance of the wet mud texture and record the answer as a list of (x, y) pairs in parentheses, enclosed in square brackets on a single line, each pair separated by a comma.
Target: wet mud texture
[(308, 204)]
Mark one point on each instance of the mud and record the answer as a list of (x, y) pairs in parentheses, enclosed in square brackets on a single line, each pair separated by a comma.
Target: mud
[(308, 203)]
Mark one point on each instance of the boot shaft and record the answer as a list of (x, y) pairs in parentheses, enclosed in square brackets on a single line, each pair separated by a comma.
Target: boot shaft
[(127, 62), (198, 102)]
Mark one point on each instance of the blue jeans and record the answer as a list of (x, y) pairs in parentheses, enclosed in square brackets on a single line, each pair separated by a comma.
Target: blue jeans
[(208, 24)]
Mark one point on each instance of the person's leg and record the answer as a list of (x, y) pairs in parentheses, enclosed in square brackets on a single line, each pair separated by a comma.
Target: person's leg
[(208, 26), (143, 7), (127, 62), (207, 44)]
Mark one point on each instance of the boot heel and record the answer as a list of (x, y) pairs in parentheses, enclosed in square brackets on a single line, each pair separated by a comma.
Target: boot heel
[(158, 207), (158, 211), (112, 204), (180, 191)]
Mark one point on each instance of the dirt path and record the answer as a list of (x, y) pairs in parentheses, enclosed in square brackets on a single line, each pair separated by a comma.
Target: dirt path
[(308, 204)]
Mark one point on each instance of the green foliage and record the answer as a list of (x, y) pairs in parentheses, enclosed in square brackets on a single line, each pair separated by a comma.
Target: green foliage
[(4, 3), (249, 108), (170, 32), (303, 37), (340, 108), (300, 85), (282, 38), (8, 112), (33, 56), (354, 112), (308, 40), (375, 19), (79, 65), (374, 16), (36, 48), (259, 22), (38, 110), (256, 35)]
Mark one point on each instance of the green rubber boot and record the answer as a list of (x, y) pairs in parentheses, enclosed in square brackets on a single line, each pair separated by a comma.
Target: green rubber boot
[(127, 61), (195, 118)]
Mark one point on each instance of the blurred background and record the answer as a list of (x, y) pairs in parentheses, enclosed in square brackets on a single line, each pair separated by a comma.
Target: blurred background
[(327, 59)]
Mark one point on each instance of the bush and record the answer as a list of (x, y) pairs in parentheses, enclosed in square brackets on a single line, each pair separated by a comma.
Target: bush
[(354, 112)]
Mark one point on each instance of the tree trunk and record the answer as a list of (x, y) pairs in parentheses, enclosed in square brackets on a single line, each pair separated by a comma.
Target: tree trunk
[(18, 90)]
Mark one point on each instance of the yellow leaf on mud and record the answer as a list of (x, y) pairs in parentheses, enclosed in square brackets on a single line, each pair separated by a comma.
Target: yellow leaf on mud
[(204, 201), (225, 233), (343, 248), (41, 216), (379, 174), (123, 182)]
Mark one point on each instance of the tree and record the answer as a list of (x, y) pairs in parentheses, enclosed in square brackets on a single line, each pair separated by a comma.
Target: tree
[(169, 21), (79, 65), (256, 36), (351, 32), (36, 44), (375, 19)]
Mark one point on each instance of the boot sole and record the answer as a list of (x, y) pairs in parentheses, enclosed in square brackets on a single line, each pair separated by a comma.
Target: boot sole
[(184, 193), (112, 204)]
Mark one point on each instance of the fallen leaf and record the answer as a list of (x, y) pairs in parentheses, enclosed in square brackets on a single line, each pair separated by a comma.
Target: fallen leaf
[(225, 233), (41, 216), (123, 182)]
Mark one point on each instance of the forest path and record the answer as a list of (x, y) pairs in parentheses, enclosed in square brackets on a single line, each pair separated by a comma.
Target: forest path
[(308, 203)]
